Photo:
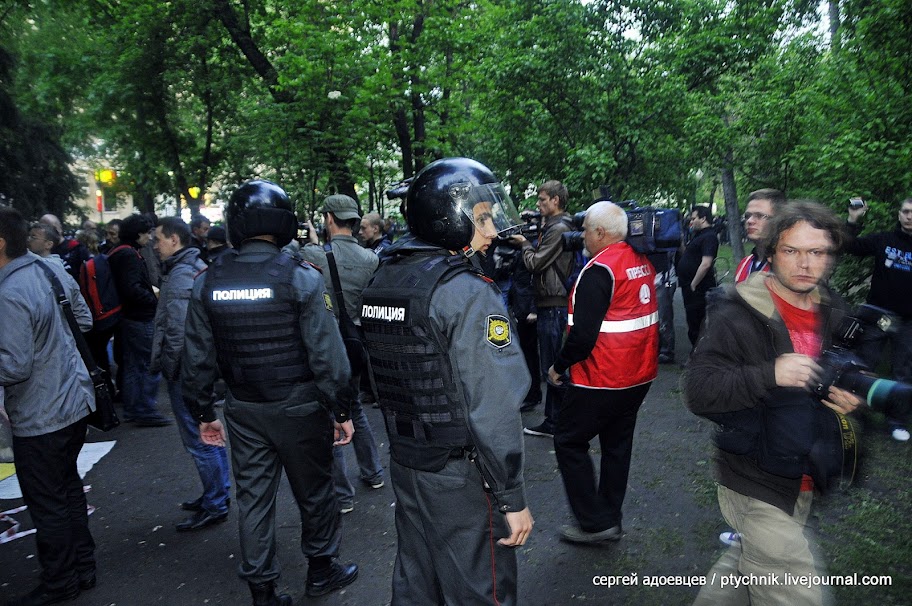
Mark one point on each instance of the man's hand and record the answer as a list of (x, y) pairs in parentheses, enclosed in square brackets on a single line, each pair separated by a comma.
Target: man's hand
[(517, 240), (213, 434), (796, 370), (521, 524), (855, 214), (553, 377), (842, 401), (312, 236), (343, 433)]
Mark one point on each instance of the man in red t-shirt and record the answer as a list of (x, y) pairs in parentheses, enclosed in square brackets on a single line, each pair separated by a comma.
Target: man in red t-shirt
[(750, 373)]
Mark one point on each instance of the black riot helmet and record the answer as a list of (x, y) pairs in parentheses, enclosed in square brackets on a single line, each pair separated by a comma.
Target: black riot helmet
[(260, 208), (444, 202)]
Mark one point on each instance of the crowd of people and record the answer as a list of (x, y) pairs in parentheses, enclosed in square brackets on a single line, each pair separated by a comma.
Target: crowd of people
[(292, 335)]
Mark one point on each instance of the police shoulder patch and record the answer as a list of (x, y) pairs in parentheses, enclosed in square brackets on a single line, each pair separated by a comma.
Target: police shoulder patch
[(327, 301), (497, 331)]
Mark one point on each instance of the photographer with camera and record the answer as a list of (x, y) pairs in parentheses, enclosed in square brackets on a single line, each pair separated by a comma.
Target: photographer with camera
[(891, 289), (751, 373), (551, 266)]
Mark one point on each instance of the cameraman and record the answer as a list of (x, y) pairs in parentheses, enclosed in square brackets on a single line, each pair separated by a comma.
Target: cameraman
[(750, 373), (891, 289), (551, 266)]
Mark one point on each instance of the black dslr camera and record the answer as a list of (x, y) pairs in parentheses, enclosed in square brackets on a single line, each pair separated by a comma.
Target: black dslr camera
[(844, 369)]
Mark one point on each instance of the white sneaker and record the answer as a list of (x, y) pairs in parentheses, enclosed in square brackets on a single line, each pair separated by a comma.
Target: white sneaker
[(901, 434), (730, 538)]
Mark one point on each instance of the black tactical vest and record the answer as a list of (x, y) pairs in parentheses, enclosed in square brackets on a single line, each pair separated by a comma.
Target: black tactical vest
[(254, 316), (422, 405)]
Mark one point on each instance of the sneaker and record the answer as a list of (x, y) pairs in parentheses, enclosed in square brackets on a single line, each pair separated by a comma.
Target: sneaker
[(666, 359), (900, 434), (578, 535), (539, 430), (730, 538), (375, 484), (347, 509)]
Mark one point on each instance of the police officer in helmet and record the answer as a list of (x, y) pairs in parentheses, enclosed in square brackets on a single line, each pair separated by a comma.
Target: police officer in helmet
[(266, 323), (451, 379)]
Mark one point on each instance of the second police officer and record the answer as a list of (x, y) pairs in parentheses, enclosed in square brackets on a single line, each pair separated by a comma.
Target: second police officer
[(451, 380), (266, 323)]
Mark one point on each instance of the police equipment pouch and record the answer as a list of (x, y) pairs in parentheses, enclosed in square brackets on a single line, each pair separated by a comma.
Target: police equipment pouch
[(351, 336), (104, 417)]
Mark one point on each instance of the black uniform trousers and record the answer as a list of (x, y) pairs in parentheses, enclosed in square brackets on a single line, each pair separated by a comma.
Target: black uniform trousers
[(52, 489), (266, 438), (611, 415), (695, 310), (448, 528)]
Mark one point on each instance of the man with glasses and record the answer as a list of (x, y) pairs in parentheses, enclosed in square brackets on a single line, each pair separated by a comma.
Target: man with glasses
[(750, 374), (761, 207)]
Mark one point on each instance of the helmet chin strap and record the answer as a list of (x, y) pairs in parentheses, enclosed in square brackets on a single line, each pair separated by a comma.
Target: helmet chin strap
[(469, 252)]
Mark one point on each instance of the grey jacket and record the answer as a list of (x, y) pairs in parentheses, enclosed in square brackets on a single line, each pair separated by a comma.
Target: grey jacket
[(47, 386), (171, 314), (356, 266)]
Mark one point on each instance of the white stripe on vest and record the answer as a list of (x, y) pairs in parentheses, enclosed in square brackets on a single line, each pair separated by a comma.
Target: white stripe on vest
[(618, 326)]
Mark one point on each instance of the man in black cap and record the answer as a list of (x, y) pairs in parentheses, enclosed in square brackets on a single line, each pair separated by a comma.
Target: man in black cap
[(217, 242), (355, 266)]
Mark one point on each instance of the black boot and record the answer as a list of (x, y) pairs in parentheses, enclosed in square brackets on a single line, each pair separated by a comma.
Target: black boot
[(322, 580), (264, 595)]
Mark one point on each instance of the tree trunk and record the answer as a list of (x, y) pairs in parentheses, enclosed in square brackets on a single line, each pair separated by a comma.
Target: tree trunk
[(730, 194), (835, 22)]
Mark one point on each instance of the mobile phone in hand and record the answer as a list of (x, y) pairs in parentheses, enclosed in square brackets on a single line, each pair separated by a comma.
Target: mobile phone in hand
[(856, 203)]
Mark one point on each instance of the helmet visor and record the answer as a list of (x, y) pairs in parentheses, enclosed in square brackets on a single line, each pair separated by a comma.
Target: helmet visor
[(489, 207)]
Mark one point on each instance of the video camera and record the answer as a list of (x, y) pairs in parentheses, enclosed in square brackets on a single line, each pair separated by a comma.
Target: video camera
[(400, 190), (649, 230), (844, 369)]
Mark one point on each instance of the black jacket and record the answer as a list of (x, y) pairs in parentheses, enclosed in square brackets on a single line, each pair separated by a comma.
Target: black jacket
[(891, 282), (131, 278), (732, 370)]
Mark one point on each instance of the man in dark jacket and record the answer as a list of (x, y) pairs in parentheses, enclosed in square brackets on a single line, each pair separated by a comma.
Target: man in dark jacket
[(891, 289), (134, 332), (217, 243), (48, 395), (551, 267), (181, 266), (750, 373)]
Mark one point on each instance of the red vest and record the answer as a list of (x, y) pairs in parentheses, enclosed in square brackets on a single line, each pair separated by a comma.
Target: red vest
[(627, 350)]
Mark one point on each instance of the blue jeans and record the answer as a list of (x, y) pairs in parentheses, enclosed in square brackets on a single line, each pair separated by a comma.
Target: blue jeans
[(140, 387), (552, 324), (366, 453), (211, 461)]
